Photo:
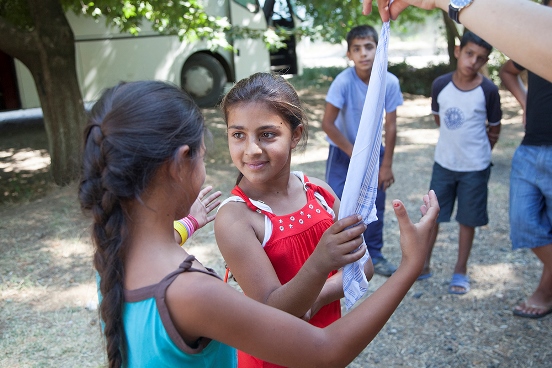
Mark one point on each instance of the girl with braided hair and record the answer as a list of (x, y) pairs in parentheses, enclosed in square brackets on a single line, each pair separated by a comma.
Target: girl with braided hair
[(160, 307)]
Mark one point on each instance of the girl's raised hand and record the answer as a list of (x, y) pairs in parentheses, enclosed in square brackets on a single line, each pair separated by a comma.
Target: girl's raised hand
[(203, 206), (338, 246), (415, 242)]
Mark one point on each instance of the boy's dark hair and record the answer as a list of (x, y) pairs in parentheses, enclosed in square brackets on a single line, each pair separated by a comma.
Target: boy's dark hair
[(545, 2), (472, 37), (132, 131), (363, 31)]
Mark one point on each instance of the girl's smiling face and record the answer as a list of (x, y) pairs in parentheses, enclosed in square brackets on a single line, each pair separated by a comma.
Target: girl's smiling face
[(260, 141)]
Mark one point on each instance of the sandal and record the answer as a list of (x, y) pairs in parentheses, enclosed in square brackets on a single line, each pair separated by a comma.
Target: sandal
[(459, 280), (518, 311)]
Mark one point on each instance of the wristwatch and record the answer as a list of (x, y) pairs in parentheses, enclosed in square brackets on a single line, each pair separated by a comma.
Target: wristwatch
[(455, 6)]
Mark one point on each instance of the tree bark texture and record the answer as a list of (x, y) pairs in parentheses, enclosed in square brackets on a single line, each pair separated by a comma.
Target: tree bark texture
[(48, 50)]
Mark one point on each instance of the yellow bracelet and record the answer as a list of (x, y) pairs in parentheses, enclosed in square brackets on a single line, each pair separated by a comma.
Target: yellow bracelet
[(181, 229)]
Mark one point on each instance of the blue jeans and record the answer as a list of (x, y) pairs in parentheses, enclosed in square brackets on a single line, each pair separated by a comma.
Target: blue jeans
[(531, 197), (336, 173)]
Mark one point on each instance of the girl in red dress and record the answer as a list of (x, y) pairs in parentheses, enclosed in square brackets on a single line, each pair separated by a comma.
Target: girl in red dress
[(273, 232)]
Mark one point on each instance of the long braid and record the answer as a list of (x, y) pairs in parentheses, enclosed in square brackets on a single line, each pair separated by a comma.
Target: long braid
[(108, 224), (133, 129)]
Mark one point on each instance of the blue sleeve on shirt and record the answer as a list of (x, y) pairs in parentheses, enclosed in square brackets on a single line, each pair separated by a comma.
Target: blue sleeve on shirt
[(393, 94), (336, 92), (492, 101), (438, 84)]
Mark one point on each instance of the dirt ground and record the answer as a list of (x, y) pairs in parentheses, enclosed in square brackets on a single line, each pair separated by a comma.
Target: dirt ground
[(47, 286)]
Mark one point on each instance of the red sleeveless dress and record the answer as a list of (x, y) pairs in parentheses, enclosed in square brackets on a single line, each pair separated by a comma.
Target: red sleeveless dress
[(294, 238)]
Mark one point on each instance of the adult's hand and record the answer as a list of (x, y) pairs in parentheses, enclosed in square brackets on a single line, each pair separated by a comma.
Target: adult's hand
[(397, 7), (383, 8)]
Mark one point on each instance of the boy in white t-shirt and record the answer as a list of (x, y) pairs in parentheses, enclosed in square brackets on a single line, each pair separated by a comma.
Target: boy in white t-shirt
[(466, 107)]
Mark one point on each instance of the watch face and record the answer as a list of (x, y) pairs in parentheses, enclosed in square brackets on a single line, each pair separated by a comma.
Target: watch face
[(460, 3)]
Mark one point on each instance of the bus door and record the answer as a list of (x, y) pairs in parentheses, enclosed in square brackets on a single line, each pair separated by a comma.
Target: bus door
[(281, 13), (250, 55), (9, 93)]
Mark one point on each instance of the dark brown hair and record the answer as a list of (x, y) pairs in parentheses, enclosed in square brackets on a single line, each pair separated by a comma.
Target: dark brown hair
[(274, 91)]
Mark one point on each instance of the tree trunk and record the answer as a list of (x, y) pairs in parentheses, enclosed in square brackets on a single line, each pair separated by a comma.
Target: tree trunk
[(48, 50), (452, 34)]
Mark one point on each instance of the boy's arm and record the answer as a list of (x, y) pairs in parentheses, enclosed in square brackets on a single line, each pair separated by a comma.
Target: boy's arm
[(386, 177), (328, 125), (493, 132), (437, 119)]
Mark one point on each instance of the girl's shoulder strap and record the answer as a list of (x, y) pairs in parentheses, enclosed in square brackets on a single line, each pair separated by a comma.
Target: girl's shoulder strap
[(187, 266), (158, 290), (257, 206), (319, 191)]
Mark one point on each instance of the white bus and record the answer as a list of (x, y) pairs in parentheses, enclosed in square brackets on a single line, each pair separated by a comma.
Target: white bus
[(105, 56)]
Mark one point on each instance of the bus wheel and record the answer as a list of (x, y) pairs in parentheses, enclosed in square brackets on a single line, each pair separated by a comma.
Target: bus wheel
[(204, 78)]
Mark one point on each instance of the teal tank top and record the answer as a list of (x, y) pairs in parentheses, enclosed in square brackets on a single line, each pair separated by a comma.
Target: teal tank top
[(152, 338)]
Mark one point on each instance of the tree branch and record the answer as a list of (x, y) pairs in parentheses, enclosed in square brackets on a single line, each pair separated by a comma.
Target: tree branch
[(15, 41)]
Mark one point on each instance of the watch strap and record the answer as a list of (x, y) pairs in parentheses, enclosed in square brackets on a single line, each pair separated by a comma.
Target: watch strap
[(453, 13)]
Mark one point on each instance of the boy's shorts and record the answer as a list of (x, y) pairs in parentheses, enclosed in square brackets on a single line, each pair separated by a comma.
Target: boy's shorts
[(531, 197), (471, 190)]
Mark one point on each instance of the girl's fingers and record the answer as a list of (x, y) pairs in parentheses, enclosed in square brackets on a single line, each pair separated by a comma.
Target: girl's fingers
[(356, 254), (211, 202), (209, 205), (400, 210), (340, 225), (213, 196), (204, 191), (432, 206)]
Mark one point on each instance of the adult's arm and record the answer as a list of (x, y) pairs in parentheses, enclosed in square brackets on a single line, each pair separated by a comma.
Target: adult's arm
[(518, 28), (509, 76)]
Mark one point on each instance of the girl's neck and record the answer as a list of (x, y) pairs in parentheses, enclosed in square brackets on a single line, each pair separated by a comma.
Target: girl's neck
[(281, 198), (276, 187), (151, 244)]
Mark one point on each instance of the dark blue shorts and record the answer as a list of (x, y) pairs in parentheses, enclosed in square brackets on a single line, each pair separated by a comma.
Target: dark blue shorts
[(470, 188)]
